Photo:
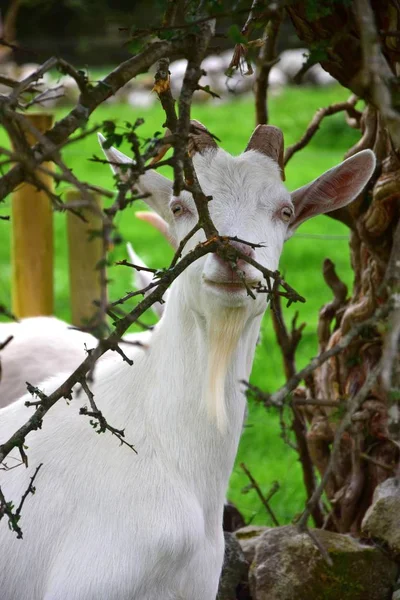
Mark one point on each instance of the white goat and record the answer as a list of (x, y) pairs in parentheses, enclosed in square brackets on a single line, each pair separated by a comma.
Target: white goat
[(41, 346), (142, 278), (108, 524), (44, 346)]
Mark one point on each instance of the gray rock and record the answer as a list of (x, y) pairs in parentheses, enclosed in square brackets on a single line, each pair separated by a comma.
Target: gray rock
[(288, 566), (234, 569), (248, 537), (382, 519)]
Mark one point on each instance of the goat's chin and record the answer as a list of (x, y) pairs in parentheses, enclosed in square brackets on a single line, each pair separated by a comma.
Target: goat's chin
[(221, 297), (226, 295)]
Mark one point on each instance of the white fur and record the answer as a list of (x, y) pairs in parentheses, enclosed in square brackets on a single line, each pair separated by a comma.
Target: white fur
[(42, 347), (141, 279), (108, 524)]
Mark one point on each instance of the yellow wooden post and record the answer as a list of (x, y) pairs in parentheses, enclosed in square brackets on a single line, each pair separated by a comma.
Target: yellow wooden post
[(32, 240), (85, 252)]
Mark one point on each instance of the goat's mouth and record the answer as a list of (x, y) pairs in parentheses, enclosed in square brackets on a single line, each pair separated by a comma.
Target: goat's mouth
[(232, 286)]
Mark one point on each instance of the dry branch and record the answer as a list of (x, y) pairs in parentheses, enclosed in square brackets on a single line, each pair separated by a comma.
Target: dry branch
[(87, 104), (315, 122), (264, 499), (278, 398)]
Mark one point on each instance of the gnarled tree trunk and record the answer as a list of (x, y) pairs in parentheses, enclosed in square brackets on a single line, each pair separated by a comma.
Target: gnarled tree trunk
[(369, 453)]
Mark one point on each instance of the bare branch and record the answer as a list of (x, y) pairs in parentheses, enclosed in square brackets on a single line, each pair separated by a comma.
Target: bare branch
[(278, 398), (264, 499), (315, 122), (6, 508), (267, 59), (88, 103)]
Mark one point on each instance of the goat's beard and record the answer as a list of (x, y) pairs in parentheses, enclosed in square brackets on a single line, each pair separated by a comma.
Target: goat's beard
[(224, 330)]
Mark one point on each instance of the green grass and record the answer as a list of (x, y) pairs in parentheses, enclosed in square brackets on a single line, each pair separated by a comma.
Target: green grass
[(261, 448)]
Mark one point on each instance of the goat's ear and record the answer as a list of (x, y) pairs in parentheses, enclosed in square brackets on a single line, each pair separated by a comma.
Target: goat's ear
[(158, 187), (334, 189), (158, 223)]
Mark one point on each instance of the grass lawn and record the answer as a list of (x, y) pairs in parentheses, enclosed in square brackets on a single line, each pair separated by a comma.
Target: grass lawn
[(262, 449)]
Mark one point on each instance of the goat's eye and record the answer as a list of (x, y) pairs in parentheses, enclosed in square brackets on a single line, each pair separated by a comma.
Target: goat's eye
[(286, 213), (177, 209)]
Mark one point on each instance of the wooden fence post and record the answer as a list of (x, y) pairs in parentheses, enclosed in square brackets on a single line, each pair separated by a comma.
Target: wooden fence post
[(32, 239), (85, 252)]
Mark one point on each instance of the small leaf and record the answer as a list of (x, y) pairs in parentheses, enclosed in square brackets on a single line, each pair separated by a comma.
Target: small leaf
[(235, 35)]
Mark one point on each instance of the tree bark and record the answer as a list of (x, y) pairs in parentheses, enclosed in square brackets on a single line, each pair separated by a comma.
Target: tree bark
[(368, 444)]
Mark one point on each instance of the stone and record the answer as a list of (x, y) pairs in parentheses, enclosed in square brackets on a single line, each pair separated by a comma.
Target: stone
[(382, 519), (248, 538), (234, 568), (288, 566), (233, 519)]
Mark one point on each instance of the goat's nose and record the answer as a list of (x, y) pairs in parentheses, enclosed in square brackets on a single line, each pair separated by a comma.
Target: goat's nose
[(245, 248)]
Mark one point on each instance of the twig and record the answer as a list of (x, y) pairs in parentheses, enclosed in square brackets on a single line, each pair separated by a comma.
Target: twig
[(183, 165), (7, 341), (331, 310), (35, 76), (264, 499), (378, 463), (78, 117), (29, 490), (278, 398), (315, 122), (125, 263), (102, 425), (319, 545), (6, 508)]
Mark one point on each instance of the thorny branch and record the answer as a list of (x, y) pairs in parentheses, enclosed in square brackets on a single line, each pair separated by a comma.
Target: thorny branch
[(87, 103), (101, 425), (6, 508)]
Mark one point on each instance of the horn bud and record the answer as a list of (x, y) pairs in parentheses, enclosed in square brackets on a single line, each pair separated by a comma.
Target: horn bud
[(268, 140), (200, 139)]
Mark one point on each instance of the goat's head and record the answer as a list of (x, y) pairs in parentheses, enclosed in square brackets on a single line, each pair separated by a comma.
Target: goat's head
[(250, 202)]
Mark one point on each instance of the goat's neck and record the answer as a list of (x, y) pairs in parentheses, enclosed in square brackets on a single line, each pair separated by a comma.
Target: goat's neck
[(201, 453)]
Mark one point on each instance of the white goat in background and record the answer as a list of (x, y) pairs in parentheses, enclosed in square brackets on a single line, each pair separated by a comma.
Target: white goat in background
[(42, 347), (108, 524)]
